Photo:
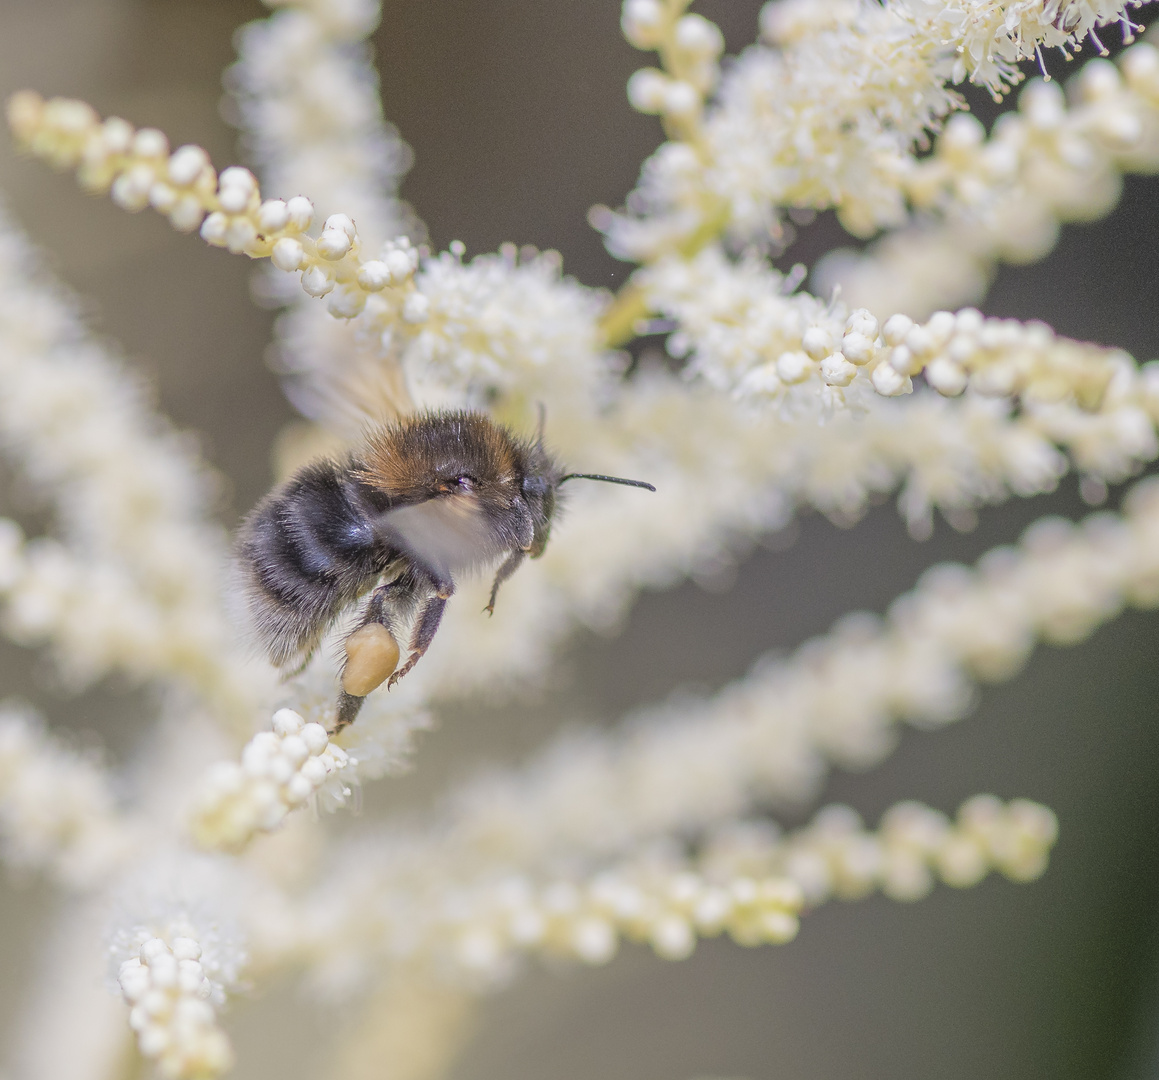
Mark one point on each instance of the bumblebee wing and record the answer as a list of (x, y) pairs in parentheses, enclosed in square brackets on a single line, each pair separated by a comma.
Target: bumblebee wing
[(445, 534)]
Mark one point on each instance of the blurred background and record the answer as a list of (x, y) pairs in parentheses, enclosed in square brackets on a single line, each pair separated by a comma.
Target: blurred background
[(516, 112)]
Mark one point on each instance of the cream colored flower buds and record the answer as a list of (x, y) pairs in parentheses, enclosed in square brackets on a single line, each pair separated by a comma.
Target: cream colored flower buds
[(371, 657)]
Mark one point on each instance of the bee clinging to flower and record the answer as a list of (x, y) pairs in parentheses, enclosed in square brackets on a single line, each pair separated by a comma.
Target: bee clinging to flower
[(420, 502)]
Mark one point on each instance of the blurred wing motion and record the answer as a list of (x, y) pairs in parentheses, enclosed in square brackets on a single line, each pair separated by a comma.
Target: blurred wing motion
[(445, 534)]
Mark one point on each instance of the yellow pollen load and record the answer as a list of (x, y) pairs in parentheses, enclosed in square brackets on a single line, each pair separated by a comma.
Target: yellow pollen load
[(371, 657)]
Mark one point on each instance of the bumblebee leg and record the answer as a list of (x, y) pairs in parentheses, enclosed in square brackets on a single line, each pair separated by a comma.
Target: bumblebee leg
[(510, 565), (425, 627), (386, 599), (377, 653), (348, 706)]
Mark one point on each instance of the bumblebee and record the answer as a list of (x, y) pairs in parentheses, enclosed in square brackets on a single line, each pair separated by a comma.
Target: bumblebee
[(422, 501)]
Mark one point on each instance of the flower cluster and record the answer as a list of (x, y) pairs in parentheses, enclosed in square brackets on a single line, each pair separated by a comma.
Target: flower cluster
[(280, 770), (915, 845), (476, 921), (56, 810), (133, 582), (307, 97), (829, 115), (773, 399), (979, 200), (746, 336), (169, 995), (138, 171)]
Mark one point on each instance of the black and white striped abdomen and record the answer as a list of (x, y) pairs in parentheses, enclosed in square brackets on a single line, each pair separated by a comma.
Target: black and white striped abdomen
[(306, 552)]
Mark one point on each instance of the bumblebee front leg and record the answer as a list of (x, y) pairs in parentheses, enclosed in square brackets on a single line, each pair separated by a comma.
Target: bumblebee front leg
[(426, 626), (510, 565), (371, 651)]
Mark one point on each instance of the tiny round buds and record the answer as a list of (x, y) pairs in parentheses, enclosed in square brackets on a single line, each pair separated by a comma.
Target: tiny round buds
[(150, 143), (642, 22), (273, 216), (346, 301), (316, 281), (374, 275), (695, 34), (857, 348), (401, 264), (301, 213), (793, 367), (186, 214), (116, 135), (340, 223), (333, 244), (889, 383), (646, 90), (287, 254), (837, 371), (233, 199), (946, 377), (187, 164), (236, 186), (287, 722), (862, 322), (416, 308), (681, 99), (817, 342), (237, 177), (162, 198), (896, 328)]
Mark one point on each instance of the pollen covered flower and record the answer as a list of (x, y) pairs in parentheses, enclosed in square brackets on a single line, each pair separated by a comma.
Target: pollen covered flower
[(280, 770)]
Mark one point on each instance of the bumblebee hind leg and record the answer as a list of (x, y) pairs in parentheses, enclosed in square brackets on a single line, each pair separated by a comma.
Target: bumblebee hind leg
[(371, 649), (348, 708), (426, 626)]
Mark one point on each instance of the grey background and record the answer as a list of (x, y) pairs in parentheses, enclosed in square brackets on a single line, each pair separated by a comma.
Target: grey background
[(516, 112)]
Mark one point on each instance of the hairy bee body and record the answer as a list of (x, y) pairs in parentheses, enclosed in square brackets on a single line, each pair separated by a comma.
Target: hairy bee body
[(309, 551), (419, 502)]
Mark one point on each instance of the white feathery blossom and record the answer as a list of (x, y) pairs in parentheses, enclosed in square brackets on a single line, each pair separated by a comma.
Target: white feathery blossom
[(475, 931), (464, 328), (478, 332), (175, 954), (991, 36), (476, 920), (57, 811), (455, 325), (722, 470), (307, 94), (505, 331), (174, 978), (134, 581), (914, 847), (744, 335), (980, 200), (137, 170), (830, 116), (280, 770), (172, 1015)]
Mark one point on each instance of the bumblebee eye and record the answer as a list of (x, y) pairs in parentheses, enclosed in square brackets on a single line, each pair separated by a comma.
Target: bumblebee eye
[(536, 486), (466, 483)]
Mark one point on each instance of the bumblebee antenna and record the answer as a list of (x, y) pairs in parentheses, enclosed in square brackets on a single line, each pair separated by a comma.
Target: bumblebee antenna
[(606, 480)]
